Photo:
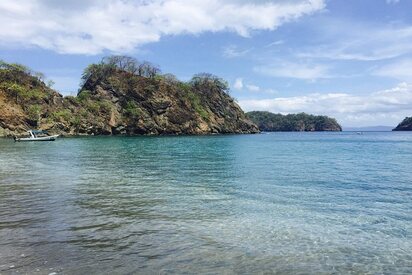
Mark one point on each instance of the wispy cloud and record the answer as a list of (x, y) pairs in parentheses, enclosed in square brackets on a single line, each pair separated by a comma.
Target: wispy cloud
[(392, 1), (234, 51), (401, 70), (253, 88), (351, 41), (294, 70), (275, 43), (378, 107), (92, 27)]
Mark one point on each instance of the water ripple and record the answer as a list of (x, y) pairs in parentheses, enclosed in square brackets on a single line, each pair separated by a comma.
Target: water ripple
[(317, 203)]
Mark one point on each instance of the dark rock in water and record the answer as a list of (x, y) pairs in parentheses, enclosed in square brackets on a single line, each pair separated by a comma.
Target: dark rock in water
[(116, 99), (405, 125), (270, 122)]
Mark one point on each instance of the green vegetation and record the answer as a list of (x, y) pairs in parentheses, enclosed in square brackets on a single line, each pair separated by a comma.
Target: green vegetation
[(34, 112), (84, 96), (76, 121), (183, 86), (92, 106), (22, 93), (14, 71), (15, 90), (21, 83), (131, 110), (92, 103), (61, 115), (267, 121), (194, 99), (15, 67), (105, 106)]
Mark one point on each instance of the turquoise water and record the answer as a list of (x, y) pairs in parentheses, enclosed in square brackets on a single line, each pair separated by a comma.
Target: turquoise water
[(316, 203)]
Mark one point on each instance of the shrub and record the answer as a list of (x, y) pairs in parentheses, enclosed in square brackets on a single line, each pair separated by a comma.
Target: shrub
[(35, 94), (62, 115), (33, 112), (131, 110), (15, 90), (84, 95), (185, 87), (76, 121), (105, 106), (196, 103), (93, 107)]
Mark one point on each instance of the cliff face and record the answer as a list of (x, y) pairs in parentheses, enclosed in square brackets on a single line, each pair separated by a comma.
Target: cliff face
[(270, 122), (405, 125), (114, 101)]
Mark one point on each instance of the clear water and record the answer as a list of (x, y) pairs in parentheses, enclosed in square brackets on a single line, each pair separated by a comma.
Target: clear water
[(316, 203)]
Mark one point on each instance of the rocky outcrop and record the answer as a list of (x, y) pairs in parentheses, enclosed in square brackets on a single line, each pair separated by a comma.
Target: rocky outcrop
[(114, 101), (270, 122), (405, 125)]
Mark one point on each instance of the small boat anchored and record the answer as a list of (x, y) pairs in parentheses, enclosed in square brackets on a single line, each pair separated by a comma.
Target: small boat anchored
[(37, 135)]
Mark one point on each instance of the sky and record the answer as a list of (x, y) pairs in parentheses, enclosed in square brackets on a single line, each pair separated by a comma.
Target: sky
[(349, 59)]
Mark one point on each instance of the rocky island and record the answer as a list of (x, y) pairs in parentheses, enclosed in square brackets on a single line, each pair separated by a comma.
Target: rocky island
[(405, 125), (271, 122), (119, 96)]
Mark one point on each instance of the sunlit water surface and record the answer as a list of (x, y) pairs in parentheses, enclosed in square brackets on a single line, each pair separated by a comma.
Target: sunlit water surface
[(275, 203)]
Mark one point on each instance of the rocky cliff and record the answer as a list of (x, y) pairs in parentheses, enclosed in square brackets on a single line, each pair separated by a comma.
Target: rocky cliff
[(119, 96), (405, 125), (270, 122)]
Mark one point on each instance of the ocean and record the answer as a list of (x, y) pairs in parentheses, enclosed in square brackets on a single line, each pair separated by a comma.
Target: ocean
[(301, 203)]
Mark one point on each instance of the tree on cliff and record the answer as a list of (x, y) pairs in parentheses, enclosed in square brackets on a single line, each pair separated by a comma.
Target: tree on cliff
[(207, 81), (111, 64)]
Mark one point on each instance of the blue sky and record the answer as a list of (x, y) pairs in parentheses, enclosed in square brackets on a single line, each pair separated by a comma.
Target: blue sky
[(349, 59)]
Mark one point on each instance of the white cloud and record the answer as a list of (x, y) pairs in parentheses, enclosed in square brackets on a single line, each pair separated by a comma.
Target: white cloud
[(238, 84), (294, 70), (252, 88), (383, 107), (91, 27), (401, 70)]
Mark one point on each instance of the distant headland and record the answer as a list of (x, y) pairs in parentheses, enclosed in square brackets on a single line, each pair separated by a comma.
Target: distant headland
[(405, 125), (301, 122)]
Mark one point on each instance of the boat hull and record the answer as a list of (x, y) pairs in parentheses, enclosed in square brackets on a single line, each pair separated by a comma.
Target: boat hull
[(49, 138)]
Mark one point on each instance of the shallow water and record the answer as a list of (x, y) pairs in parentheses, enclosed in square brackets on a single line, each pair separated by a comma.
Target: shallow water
[(316, 203)]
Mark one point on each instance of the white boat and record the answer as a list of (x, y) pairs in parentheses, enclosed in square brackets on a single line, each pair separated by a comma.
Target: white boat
[(37, 136)]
